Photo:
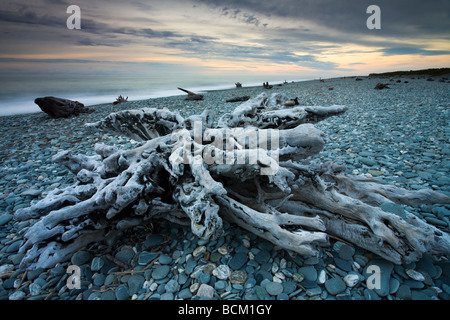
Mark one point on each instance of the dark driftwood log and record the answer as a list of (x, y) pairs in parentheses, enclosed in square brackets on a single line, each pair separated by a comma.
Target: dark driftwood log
[(294, 205), (191, 95), (239, 99), (119, 100), (61, 108)]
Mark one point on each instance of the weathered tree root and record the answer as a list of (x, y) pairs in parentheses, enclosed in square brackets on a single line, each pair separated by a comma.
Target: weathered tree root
[(175, 175)]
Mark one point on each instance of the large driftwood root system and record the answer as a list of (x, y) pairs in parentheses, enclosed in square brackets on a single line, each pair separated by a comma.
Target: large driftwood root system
[(174, 175)]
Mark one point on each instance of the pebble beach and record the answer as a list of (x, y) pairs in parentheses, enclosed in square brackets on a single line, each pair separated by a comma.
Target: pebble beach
[(399, 135)]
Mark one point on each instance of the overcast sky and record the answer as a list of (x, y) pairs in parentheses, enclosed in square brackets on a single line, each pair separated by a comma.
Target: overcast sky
[(306, 37)]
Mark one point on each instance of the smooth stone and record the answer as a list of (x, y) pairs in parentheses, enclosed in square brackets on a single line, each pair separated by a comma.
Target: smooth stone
[(309, 272), (135, 284), (125, 255), (205, 291), (14, 247), (344, 250), (171, 286), (97, 263), (262, 275), (289, 287), (190, 265), (415, 275), (164, 259), (122, 292), (262, 256), (153, 241), (204, 278), (238, 277), (274, 288), (146, 257), (199, 251), (185, 294), (99, 279), (222, 272), (238, 261), (261, 293), (403, 292), (160, 272), (419, 295), (394, 284), (18, 295), (5, 218), (220, 285), (81, 257), (313, 291), (108, 296), (335, 286)]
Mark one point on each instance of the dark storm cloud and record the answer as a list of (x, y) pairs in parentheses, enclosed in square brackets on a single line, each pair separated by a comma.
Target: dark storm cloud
[(410, 18)]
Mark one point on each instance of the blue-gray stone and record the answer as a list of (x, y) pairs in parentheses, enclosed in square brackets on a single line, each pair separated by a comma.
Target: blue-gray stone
[(5, 218), (125, 255), (108, 296), (204, 278), (14, 247), (99, 279), (344, 250), (190, 265), (122, 292), (135, 283), (343, 264), (160, 272), (426, 264), (165, 259), (283, 296), (97, 263), (419, 295), (403, 292), (261, 293), (274, 288), (335, 286), (171, 286), (289, 287), (220, 285), (185, 294), (238, 261), (262, 256), (153, 241), (309, 272), (146, 257), (81, 257)]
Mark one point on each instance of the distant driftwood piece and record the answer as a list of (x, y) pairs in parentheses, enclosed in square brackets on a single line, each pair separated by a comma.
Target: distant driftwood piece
[(299, 206), (239, 99), (61, 108), (191, 95), (381, 86), (238, 85), (120, 99)]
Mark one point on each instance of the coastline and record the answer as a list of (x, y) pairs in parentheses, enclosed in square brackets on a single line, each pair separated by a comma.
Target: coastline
[(397, 136)]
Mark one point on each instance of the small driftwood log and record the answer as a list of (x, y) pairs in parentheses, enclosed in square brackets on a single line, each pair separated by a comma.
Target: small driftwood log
[(239, 99), (170, 175), (61, 108), (119, 100), (191, 95)]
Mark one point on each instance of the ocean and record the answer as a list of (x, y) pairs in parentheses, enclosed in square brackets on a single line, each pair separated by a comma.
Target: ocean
[(17, 93)]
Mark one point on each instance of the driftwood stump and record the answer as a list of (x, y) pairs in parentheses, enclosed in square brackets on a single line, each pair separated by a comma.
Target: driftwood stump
[(247, 169), (61, 108)]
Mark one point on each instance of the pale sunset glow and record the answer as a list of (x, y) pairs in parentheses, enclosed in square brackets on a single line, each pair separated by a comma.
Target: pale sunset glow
[(316, 38)]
